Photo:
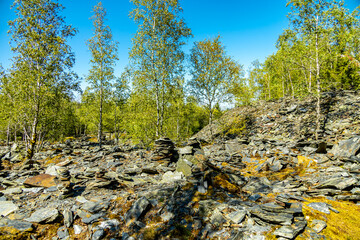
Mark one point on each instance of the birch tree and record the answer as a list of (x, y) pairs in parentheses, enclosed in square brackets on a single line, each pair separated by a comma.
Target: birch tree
[(212, 73), (104, 55), (156, 53), (42, 62)]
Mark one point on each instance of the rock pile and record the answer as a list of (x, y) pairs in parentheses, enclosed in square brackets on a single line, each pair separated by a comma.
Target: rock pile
[(64, 186), (272, 181), (164, 151)]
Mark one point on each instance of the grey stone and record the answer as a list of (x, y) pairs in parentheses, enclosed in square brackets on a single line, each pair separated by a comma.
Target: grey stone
[(171, 176), (138, 209), (98, 235), (206, 207), (52, 170), (182, 166), (68, 217), (166, 216), (236, 217), (63, 233), (19, 225), (94, 207), (318, 225), (347, 148), (217, 218), (77, 229), (355, 191), (276, 218), (290, 232), (43, 215), (254, 197), (7, 207), (112, 225), (338, 182), (292, 208), (12, 191), (276, 166), (284, 231), (320, 206), (87, 217), (186, 150)]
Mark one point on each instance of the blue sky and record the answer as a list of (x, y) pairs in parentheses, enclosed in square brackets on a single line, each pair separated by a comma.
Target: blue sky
[(249, 29)]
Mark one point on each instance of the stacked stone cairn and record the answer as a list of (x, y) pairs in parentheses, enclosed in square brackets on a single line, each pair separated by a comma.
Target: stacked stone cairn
[(65, 187), (100, 180), (164, 151)]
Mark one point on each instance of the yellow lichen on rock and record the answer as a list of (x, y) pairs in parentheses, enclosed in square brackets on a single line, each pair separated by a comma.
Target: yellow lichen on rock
[(222, 181), (305, 161), (342, 225)]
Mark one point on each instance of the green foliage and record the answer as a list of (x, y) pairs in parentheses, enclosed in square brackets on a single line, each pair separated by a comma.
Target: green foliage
[(212, 73), (41, 74), (319, 52), (157, 56), (104, 55), (234, 125), (245, 89)]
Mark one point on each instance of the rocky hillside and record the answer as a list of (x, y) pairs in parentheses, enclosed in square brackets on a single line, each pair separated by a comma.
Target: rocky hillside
[(257, 174)]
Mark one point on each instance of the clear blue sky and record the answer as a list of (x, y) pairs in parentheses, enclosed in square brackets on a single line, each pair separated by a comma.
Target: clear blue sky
[(249, 29)]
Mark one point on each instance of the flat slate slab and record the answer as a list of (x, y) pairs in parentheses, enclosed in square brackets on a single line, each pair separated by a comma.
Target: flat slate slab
[(347, 148), (7, 207), (43, 215), (18, 225), (320, 206), (42, 180)]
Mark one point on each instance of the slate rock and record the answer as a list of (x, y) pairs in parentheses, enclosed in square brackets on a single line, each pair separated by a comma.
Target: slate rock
[(137, 210), (337, 182), (113, 225), (68, 217), (237, 216), (16, 224), (77, 229), (172, 176), (63, 233), (7, 207), (52, 170), (276, 166), (285, 231), (42, 180), (182, 166), (43, 215), (290, 232), (188, 150), (318, 225), (94, 207), (98, 234), (12, 191), (320, 206), (275, 218), (166, 216), (217, 218), (88, 218), (347, 148)]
